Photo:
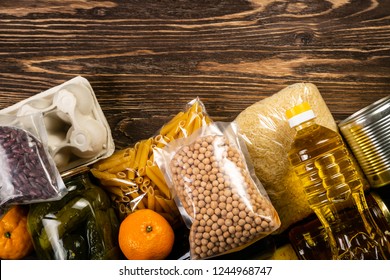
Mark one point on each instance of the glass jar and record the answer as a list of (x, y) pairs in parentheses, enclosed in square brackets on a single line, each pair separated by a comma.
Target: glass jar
[(82, 225)]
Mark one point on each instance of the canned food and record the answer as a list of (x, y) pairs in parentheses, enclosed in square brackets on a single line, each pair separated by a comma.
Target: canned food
[(367, 133), (380, 209)]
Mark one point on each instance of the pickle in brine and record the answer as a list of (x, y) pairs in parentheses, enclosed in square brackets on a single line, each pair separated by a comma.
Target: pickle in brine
[(68, 218), (95, 240)]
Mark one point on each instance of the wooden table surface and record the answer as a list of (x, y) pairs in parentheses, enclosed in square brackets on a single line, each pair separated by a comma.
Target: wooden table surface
[(145, 59)]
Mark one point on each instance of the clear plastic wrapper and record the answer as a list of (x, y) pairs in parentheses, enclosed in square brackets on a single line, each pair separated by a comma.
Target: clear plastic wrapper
[(134, 180), (80, 226), (221, 200), (268, 138), (28, 173)]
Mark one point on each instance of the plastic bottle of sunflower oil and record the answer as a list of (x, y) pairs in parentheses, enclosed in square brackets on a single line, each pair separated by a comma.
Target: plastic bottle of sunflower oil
[(334, 189)]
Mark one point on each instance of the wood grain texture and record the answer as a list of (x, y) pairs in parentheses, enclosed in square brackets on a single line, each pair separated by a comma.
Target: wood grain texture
[(146, 59)]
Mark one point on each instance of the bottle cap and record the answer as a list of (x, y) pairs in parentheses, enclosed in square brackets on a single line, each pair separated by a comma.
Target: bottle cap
[(299, 114)]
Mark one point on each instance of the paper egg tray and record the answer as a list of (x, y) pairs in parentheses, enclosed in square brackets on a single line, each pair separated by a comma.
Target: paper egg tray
[(77, 130)]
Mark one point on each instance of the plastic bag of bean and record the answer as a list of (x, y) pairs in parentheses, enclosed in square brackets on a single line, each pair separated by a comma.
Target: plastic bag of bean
[(27, 171), (221, 200)]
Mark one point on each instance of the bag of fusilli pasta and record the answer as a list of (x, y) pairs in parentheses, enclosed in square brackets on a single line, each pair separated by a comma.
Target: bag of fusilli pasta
[(131, 176)]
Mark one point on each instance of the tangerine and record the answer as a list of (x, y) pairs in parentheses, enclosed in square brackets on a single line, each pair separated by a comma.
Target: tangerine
[(145, 235), (15, 240)]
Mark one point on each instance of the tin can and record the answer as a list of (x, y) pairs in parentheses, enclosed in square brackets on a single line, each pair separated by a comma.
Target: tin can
[(380, 208), (367, 132)]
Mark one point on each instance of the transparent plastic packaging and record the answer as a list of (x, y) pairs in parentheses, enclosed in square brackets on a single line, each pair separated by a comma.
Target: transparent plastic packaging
[(134, 180), (221, 200), (333, 189), (80, 226), (268, 138), (28, 173)]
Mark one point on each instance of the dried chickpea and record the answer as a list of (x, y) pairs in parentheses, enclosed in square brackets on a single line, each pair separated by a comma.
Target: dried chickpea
[(229, 209)]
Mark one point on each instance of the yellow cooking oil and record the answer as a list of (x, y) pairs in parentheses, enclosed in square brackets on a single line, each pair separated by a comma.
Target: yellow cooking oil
[(334, 189)]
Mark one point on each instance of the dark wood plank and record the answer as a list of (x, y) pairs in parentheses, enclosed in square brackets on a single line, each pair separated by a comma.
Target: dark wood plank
[(147, 59)]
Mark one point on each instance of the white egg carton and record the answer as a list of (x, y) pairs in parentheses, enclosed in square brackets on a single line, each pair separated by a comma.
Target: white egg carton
[(78, 132)]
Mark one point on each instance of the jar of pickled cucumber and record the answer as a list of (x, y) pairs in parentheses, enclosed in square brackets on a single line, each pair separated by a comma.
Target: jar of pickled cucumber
[(82, 225)]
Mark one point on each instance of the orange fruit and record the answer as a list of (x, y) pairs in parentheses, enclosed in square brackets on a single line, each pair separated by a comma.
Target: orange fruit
[(15, 240), (145, 235)]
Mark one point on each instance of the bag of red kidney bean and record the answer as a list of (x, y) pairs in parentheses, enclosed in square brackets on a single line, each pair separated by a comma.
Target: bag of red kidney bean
[(221, 200), (27, 171)]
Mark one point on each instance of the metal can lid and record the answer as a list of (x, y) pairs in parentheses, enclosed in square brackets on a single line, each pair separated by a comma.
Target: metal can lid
[(382, 206), (379, 178)]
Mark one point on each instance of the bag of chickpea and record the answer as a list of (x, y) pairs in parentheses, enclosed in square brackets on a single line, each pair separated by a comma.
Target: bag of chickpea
[(221, 200)]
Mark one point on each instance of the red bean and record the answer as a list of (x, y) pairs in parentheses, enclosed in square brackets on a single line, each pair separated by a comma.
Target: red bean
[(28, 166)]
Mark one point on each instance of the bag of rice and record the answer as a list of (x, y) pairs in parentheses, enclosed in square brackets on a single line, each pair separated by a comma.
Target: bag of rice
[(269, 137)]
